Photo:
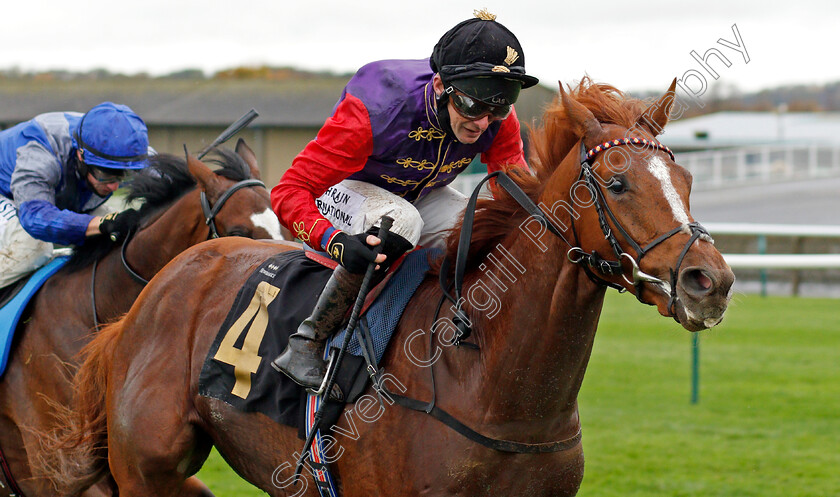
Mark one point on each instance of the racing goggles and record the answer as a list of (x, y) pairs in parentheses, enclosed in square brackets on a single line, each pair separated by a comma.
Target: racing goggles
[(106, 176), (474, 109)]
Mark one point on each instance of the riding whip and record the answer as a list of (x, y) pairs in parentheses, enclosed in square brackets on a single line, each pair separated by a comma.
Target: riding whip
[(230, 131), (384, 228)]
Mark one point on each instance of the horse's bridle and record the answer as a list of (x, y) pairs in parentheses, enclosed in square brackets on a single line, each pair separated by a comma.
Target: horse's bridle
[(589, 262), (593, 261), (209, 220), (210, 214)]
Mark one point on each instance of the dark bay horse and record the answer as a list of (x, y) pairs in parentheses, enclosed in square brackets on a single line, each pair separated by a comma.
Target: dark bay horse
[(60, 319), (532, 294)]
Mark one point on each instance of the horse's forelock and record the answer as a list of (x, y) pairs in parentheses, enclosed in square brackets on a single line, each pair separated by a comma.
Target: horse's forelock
[(231, 165), (555, 137)]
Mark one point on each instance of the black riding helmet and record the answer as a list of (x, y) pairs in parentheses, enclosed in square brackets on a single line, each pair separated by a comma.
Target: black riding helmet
[(483, 59)]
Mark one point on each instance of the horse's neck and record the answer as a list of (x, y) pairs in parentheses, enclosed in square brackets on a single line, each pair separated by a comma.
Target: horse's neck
[(175, 230), (537, 345)]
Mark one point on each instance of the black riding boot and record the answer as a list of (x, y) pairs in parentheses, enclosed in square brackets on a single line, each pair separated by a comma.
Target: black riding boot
[(303, 359)]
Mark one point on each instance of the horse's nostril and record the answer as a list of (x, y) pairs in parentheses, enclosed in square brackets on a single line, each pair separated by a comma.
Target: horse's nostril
[(704, 281), (697, 281)]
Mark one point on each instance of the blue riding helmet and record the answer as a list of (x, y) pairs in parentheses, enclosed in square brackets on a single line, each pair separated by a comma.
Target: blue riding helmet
[(112, 136)]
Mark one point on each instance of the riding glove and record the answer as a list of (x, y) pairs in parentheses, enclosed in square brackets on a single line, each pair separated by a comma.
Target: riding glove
[(351, 251), (117, 225)]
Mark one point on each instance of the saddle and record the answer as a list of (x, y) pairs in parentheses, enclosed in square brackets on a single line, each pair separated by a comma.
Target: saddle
[(281, 293), (17, 296)]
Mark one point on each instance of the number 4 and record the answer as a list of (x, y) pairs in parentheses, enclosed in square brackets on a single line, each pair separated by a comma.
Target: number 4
[(246, 361)]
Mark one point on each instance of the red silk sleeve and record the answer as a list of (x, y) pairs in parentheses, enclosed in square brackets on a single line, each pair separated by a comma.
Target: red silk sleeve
[(341, 148), (506, 149), (507, 146)]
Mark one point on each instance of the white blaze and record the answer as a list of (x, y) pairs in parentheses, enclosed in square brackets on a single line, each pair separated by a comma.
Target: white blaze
[(268, 221), (660, 172)]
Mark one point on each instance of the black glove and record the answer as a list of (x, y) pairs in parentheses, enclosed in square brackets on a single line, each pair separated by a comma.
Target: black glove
[(351, 251), (117, 225)]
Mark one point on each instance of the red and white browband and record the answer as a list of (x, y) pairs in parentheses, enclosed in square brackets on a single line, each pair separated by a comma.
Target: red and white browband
[(592, 152)]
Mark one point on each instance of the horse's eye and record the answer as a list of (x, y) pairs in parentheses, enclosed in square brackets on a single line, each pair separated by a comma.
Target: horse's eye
[(238, 233), (617, 186)]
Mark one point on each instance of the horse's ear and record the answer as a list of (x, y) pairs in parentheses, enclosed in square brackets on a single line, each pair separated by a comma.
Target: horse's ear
[(583, 120), (655, 117), (204, 176), (250, 158)]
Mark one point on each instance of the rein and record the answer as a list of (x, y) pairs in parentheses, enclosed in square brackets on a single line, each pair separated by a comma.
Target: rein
[(503, 180), (588, 261), (209, 220)]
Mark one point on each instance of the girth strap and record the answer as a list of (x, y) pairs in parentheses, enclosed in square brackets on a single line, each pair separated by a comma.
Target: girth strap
[(491, 443)]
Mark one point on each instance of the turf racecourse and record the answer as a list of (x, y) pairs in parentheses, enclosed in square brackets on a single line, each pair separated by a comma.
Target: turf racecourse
[(768, 420)]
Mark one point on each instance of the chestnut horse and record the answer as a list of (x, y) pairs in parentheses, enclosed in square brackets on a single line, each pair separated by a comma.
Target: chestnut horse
[(60, 318), (533, 303)]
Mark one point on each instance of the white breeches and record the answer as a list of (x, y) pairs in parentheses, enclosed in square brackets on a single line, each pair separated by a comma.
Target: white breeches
[(355, 206), (20, 254)]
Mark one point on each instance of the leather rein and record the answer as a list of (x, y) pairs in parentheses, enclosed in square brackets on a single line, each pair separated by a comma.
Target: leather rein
[(590, 262), (209, 219)]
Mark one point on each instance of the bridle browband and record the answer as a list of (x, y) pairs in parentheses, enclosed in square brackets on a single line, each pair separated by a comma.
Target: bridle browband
[(209, 219)]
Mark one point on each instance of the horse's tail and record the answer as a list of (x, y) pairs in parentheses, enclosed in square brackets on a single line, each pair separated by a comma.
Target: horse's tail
[(74, 455)]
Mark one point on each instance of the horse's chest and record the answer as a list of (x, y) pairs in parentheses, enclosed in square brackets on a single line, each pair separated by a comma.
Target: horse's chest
[(510, 475)]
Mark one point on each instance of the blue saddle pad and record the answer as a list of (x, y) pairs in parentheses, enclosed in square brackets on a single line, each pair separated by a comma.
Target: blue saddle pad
[(11, 312)]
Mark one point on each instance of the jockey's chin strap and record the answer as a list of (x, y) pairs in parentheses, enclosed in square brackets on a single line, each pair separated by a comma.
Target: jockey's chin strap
[(210, 214)]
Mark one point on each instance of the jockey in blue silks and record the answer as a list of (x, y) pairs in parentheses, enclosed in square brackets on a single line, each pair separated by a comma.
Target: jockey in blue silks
[(56, 170)]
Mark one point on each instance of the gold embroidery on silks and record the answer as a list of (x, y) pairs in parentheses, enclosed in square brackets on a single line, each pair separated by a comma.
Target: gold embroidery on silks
[(421, 165), (300, 230), (401, 182), (426, 134), (458, 164)]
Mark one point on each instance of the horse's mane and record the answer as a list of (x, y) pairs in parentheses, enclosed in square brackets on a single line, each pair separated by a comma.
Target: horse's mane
[(551, 141), (165, 180)]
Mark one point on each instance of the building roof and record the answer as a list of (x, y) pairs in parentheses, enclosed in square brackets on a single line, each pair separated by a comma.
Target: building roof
[(733, 129), (294, 102)]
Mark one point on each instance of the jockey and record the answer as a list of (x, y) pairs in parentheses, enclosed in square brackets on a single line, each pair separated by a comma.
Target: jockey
[(55, 170), (400, 133)]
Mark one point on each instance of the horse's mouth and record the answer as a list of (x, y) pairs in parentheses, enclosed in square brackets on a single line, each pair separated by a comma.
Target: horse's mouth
[(700, 319), (694, 312)]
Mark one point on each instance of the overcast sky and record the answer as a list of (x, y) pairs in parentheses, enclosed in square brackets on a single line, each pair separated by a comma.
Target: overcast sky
[(632, 45)]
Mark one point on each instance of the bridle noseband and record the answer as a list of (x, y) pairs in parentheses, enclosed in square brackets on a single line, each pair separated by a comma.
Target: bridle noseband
[(593, 261)]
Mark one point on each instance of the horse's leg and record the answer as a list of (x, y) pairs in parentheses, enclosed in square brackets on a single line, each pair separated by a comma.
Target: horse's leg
[(154, 441), (262, 451), (194, 487)]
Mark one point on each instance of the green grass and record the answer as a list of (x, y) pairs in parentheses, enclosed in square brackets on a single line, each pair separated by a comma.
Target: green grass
[(767, 423), (768, 419)]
